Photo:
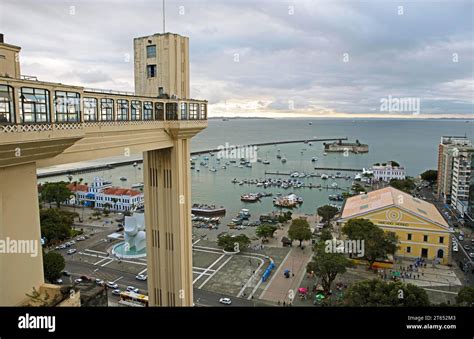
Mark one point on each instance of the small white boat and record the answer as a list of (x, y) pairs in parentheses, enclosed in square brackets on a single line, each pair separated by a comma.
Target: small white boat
[(212, 169), (324, 176), (325, 154), (266, 162)]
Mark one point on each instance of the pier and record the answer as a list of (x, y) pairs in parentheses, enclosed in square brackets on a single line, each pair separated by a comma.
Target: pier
[(109, 165), (339, 169)]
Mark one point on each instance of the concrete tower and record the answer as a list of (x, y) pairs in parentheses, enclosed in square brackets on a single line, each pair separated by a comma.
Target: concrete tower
[(162, 65)]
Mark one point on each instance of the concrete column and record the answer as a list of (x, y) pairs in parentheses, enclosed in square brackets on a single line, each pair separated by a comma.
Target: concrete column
[(168, 225), (20, 227)]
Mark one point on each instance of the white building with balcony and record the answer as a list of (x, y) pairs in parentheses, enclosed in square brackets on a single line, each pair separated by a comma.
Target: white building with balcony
[(388, 171)]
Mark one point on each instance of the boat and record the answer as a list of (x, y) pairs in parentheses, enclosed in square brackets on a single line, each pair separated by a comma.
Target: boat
[(334, 184), (138, 185), (123, 178), (310, 123), (207, 210), (212, 169), (313, 159), (278, 156), (325, 154), (250, 197), (224, 167), (259, 160), (266, 162), (324, 176), (135, 164), (283, 160)]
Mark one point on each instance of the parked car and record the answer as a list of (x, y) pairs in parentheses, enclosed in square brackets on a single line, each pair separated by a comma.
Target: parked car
[(461, 238), (111, 284), (225, 301), (116, 292), (66, 273), (141, 277), (58, 281), (467, 247), (78, 280), (100, 282), (471, 254), (86, 278), (72, 242), (61, 247), (132, 289), (71, 251)]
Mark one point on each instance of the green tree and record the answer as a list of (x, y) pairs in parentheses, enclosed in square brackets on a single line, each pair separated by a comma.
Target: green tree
[(53, 265), (299, 230), (377, 293), (231, 243), (377, 243), (406, 185), (326, 234), (264, 231), (327, 212), (327, 265), (56, 225), (56, 192), (465, 296), (394, 163), (430, 175)]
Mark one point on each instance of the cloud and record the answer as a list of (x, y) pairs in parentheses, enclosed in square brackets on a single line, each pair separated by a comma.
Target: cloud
[(263, 57)]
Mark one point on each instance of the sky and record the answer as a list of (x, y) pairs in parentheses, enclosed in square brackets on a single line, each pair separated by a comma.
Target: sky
[(327, 58)]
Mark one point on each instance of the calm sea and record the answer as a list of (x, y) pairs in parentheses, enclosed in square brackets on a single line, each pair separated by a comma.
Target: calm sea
[(412, 143)]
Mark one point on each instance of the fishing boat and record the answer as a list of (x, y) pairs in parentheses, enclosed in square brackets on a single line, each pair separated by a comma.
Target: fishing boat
[(266, 162), (123, 178), (283, 160), (250, 197)]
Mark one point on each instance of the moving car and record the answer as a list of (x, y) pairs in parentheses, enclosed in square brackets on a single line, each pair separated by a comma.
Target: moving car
[(141, 277), (225, 301), (71, 251), (111, 284), (132, 289)]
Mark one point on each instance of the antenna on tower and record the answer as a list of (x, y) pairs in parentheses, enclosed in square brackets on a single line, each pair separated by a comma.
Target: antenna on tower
[(164, 30)]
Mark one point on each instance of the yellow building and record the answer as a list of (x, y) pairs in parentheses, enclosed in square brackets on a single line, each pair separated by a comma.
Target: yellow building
[(421, 229)]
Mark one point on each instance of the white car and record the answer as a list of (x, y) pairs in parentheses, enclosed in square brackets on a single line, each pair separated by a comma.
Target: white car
[(72, 242), (225, 301), (111, 284), (100, 282), (132, 289), (71, 251), (141, 277), (59, 281), (116, 292), (471, 254), (78, 280), (455, 247)]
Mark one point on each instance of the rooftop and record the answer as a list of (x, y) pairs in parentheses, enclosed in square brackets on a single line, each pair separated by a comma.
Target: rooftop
[(387, 197)]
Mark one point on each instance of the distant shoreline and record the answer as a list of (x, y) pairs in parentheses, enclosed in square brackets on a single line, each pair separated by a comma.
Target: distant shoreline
[(336, 118)]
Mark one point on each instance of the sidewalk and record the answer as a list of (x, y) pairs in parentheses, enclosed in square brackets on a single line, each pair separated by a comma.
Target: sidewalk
[(279, 287)]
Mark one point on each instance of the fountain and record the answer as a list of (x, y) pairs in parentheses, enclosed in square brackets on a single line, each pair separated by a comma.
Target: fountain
[(134, 245)]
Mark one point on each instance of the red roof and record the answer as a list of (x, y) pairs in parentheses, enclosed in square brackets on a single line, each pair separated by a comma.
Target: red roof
[(77, 188), (121, 191)]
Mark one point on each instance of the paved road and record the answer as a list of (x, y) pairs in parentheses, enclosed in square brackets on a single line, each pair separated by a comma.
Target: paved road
[(124, 279)]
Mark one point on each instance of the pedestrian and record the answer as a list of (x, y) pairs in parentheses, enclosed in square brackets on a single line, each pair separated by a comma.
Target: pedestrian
[(284, 303), (278, 302)]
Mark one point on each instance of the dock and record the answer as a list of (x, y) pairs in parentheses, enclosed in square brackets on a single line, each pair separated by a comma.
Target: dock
[(339, 169), (106, 166)]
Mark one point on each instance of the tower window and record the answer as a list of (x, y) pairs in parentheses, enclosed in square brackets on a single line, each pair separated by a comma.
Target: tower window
[(151, 71), (151, 51)]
